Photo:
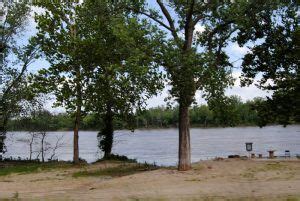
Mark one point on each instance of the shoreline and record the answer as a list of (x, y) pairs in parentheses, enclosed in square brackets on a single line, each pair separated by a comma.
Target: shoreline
[(166, 128)]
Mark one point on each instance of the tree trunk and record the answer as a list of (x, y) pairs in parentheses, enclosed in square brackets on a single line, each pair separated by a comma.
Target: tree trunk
[(30, 151), (188, 89), (43, 154), (3, 124), (78, 103), (76, 137), (184, 152), (108, 132), (77, 117)]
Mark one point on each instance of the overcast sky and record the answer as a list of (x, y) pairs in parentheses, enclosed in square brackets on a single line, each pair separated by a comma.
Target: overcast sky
[(233, 50)]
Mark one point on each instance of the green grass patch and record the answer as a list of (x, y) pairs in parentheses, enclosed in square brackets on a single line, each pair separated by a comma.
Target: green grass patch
[(122, 170), (27, 168), (273, 167)]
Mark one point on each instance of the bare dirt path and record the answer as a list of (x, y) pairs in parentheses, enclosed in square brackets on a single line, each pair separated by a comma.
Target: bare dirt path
[(209, 180)]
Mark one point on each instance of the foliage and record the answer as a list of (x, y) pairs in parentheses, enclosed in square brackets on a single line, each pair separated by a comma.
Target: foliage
[(60, 37), (196, 60), (235, 113), (114, 157), (14, 61), (57, 35), (275, 59), (54, 122), (122, 71)]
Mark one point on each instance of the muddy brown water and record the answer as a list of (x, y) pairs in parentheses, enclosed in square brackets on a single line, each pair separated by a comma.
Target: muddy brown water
[(161, 145)]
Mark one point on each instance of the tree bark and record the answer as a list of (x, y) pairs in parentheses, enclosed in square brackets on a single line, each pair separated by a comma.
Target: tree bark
[(76, 134), (184, 153), (3, 124), (43, 149), (75, 141), (186, 96), (77, 117), (108, 131)]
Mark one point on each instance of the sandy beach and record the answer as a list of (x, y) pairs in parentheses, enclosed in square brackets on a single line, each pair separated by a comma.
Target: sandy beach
[(232, 179)]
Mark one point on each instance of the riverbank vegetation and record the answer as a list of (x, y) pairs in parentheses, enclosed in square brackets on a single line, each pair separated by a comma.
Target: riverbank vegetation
[(26, 167), (117, 166), (237, 113)]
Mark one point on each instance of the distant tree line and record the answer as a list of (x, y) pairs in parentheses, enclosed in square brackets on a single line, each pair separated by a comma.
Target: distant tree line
[(235, 113)]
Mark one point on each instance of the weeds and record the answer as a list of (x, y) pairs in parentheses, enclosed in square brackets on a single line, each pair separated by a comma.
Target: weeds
[(31, 168), (16, 195), (122, 170), (115, 157)]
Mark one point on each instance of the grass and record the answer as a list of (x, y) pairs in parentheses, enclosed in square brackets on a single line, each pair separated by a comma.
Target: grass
[(16, 195), (31, 168), (122, 170), (274, 166), (251, 172), (249, 175), (146, 199)]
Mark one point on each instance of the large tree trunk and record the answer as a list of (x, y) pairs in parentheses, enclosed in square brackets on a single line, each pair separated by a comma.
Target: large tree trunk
[(76, 133), (188, 89), (77, 117), (3, 124), (184, 152), (75, 141), (108, 132)]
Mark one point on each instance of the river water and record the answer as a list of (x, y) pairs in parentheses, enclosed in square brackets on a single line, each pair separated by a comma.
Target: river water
[(161, 145)]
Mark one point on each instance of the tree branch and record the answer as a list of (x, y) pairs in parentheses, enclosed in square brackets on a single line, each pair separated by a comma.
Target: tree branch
[(26, 63), (156, 20), (200, 16), (169, 18)]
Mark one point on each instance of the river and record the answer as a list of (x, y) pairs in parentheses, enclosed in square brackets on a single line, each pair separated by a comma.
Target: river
[(161, 145)]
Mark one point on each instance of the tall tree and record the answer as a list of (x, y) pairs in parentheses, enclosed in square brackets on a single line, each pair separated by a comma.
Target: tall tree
[(15, 57), (195, 59), (59, 37), (124, 73), (187, 67)]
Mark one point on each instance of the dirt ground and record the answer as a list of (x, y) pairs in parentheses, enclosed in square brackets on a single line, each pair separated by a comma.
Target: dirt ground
[(232, 179)]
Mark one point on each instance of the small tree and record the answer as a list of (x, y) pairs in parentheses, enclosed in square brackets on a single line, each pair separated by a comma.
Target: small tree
[(31, 141), (39, 125)]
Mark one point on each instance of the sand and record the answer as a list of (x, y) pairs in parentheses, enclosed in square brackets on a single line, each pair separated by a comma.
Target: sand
[(232, 179)]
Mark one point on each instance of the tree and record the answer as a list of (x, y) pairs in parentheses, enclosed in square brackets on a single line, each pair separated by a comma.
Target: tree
[(14, 61), (39, 121), (188, 69), (195, 59), (123, 72), (276, 59), (59, 37)]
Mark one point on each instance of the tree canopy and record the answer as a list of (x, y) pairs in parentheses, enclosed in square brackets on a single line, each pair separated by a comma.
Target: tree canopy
[(14, 61)]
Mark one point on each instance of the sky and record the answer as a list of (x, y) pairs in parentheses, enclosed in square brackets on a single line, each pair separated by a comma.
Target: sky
[(233, 50)]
